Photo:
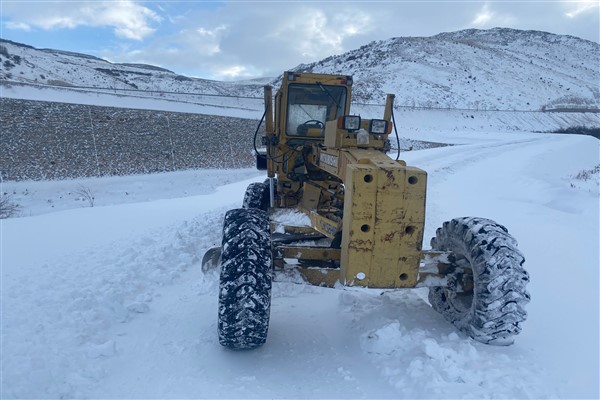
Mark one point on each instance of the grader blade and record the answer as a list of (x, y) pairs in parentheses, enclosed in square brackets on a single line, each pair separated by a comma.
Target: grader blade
[(211, 259)]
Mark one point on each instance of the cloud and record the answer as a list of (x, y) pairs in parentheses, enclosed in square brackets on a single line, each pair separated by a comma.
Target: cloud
[(128, 19), (216, 43), (484, 16), (18, 26), (235, 71), (316, 32), (287, 34), (488, 18), (240, 39), (581, 7)]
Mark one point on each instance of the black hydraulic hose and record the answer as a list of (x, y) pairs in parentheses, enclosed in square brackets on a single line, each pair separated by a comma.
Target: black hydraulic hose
[(397, 137), (256, 133)]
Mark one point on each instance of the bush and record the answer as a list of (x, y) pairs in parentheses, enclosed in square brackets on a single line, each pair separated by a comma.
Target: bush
[(85, 194), (8, 208), (587, 174)]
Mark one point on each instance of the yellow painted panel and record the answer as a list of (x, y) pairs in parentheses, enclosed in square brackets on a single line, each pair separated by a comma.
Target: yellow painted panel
[(384, 215)]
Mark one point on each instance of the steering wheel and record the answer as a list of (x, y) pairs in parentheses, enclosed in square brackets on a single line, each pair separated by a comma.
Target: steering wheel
[(311, 123), (315, 122)]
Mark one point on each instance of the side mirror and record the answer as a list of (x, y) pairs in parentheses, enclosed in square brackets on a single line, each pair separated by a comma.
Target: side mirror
[(261, 161)]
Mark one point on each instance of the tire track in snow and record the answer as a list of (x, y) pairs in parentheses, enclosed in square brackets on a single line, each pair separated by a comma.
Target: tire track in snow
[(78, 299), (445, 166)]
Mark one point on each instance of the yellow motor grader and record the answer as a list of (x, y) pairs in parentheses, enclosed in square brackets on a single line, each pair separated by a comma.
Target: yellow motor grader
[(367, 216)]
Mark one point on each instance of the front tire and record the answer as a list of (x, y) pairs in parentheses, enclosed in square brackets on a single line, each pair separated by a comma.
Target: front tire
[(491, 312), (245, 282)]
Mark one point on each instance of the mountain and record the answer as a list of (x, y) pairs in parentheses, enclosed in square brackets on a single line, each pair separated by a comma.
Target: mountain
[(496, 69), (26, 64), (499, 68)]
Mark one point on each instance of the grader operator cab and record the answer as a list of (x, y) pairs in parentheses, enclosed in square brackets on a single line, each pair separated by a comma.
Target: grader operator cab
[(367, 217)]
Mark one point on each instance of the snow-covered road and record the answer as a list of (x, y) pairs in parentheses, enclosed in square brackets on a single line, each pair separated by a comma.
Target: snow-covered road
[(110, 302)]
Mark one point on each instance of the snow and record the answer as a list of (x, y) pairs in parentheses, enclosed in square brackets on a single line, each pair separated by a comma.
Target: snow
[(200, 104), (39, 197), (495, 69), (288, 217), (451, 81), (414, 123), (110, 301)]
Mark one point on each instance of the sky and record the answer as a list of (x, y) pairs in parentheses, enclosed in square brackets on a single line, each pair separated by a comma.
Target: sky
[(243, 39)]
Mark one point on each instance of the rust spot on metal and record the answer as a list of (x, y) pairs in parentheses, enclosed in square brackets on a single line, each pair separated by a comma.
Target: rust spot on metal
[(419, 244), (389, 237), (390, 175), (361, 245)]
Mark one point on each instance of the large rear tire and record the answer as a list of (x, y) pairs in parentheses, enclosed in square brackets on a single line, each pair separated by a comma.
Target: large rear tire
[(493, 310), (245, 282)]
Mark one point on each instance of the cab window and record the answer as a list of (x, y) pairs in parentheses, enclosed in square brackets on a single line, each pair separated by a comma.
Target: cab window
[(312, 105)]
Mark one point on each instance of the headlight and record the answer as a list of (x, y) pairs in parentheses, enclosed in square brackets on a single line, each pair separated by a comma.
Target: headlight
[(350, 122), (378, 126)]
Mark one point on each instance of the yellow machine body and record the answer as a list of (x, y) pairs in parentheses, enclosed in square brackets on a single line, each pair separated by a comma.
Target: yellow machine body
[(364, 225), (337, 172)]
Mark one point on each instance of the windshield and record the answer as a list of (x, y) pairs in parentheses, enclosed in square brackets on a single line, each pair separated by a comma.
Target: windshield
[(313, 105)]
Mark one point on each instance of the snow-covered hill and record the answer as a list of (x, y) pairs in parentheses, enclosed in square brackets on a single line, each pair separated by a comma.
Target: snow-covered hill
[(497, 69), (26, 64)]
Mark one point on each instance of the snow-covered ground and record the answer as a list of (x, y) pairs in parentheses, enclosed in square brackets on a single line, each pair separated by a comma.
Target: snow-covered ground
[(110, 301)]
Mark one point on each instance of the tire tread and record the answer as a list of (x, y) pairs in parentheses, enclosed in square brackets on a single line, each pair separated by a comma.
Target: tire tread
[(245, 281), (500, 295)]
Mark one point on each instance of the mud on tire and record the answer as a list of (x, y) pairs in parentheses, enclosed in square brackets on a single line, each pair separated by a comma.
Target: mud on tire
[(493, 310), (245, 282)]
